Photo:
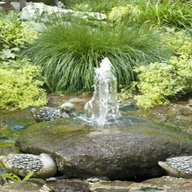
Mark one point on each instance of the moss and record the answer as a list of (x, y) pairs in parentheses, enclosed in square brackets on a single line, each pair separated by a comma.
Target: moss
[(5, 145)]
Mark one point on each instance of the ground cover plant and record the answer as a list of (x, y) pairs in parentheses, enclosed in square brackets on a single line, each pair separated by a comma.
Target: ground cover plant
[(69, 53)]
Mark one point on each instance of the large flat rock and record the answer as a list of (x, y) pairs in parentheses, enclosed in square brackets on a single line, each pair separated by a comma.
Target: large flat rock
[(129, 149)]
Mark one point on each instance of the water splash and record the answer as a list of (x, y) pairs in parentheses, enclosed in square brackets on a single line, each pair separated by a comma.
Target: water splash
[(103, 107)]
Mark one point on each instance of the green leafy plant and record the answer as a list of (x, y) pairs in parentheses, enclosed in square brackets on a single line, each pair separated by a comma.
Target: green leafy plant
[(11, 177), (68, 54), (28, 176), (15, 178), (94, 5), (14, 36), (170, 13), (154, 13), (19, 86), (124, 14), (160, 82)]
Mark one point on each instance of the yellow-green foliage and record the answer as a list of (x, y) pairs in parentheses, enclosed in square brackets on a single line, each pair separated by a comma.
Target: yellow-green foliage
[(124, 14), (19, 87), (178, 41), (158, 82), (13, 177), (14, 35)]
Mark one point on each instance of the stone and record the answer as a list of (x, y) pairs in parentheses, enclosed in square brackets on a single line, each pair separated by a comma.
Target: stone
[(42, 166), (160, 184), (23, 186), (45, 188), (171, 184), (67, 107), (125, 150), (68, 110), (178, 166), (2, 181), (68, 185), (46, 113), (110, 186)]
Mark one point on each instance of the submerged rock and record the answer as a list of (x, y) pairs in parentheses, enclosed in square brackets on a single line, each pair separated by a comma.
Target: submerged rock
[(129, 150)]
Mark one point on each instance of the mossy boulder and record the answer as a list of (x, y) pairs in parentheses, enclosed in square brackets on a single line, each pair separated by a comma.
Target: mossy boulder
[(131, 148)]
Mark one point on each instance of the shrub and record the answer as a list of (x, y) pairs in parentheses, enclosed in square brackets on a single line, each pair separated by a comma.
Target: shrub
[(94, 5), (19, 86), (14, 36), (69, 54), (124, 14), (178, 41), (160, 82)]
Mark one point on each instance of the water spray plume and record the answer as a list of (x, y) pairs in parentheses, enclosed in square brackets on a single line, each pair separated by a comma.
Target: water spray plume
[(103, 106)]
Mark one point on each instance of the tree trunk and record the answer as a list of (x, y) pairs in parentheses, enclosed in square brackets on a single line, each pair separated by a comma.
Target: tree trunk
[(22, 4), (8, 1), (56, 2)]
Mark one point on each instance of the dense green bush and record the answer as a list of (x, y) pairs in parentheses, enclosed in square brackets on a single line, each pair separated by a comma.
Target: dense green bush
[(160, 82), (13, 36), (69, 53), (19, 86)]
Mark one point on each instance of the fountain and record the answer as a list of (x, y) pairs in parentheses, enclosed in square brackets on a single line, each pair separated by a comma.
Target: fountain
[(119, 148), (103, 107)]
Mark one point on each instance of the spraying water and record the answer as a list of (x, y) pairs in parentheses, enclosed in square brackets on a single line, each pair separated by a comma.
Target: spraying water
[(103, 106)]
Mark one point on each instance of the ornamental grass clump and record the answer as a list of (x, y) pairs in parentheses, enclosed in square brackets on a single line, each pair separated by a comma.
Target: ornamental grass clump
[(69, 54), (154, 14), (170, 13)]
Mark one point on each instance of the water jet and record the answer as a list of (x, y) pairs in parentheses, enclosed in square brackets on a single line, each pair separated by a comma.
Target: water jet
[(103, 107)]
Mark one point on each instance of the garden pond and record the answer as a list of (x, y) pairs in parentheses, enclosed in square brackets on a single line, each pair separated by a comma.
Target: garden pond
[(113, 158)]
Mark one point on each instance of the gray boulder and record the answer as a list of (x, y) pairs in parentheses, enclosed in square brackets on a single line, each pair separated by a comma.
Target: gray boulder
[(125, 150)]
